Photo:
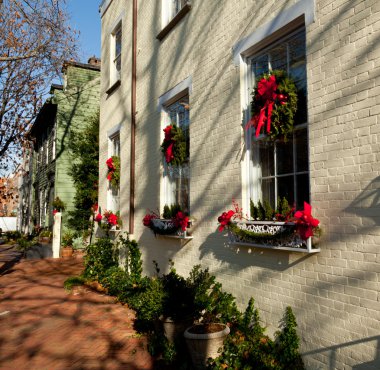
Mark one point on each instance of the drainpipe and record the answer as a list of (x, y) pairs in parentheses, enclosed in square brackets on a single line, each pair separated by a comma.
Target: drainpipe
[(133, 120)]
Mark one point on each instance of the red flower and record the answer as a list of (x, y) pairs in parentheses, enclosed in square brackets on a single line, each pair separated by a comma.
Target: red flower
[(224, 219), (95, 207), (305, 222), (110, 164), (148, 219), (98, 217), (54, 212), (112, 219), (181, 220)]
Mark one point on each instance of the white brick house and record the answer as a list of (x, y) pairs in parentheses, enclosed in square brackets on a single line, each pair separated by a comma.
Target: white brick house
[(205, 54)]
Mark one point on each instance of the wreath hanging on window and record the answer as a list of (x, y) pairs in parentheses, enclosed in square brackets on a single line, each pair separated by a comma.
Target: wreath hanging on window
[(174, 145), (274, 105), (113, 176)]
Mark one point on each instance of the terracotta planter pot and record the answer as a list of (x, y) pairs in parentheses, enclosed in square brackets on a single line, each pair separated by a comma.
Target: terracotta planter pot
[(67, 252), (79, 253), (203, 344)]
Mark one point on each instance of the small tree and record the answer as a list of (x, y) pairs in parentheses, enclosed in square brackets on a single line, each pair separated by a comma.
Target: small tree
[(84, 148), (35, 39)]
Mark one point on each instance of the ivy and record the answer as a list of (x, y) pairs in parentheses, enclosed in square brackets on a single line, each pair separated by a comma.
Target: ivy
[(84, 148)]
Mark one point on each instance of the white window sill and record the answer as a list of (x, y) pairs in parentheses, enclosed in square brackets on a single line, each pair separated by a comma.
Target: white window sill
[(174, 21), (113, 87)]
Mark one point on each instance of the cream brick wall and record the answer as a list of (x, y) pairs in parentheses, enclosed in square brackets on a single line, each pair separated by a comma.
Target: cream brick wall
[(335, 294)]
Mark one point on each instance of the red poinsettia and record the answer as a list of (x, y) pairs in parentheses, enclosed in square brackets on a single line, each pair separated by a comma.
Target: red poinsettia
[(181, 220), (98, 217), (224, 219), (110, 218), (148, 219), (55, 212), (306, 223)]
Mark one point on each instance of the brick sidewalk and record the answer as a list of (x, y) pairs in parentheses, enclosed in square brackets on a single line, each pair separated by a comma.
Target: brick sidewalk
[(44, 327)]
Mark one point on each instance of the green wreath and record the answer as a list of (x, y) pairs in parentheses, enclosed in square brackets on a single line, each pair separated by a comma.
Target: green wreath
[(174, 145), (274, 105)]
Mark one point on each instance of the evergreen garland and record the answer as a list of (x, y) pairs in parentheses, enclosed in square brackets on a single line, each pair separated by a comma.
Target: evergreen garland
[(284, 108), (174, 145)]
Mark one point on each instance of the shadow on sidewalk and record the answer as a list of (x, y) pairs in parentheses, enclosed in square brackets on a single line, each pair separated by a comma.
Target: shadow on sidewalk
[(9, 256)]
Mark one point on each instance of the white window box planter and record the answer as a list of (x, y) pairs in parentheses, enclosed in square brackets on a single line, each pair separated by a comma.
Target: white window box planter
[(270, 235), (167, 229)]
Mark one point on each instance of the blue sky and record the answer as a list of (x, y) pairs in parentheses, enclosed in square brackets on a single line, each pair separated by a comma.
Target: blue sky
[(85, 17)]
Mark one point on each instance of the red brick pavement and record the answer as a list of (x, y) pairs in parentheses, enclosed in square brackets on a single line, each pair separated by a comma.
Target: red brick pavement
[(44, 327)]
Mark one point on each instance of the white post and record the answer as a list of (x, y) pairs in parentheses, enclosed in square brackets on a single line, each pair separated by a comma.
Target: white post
[(57, 234)]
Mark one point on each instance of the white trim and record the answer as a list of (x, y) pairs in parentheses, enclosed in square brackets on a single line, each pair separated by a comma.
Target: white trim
[(302, 7), (116, 22), (184, 85), (114, 130)]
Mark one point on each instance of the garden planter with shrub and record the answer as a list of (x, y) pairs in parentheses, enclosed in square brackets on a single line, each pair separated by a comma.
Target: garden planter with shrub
[(204, 341)]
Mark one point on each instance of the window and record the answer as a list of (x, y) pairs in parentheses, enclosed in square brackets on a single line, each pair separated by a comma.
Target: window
[(116, 40), (281, 169), (113, 194), (176, 182), (172, 12)]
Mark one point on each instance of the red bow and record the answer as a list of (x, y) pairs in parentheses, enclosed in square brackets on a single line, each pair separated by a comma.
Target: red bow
[(266, 91), (305, 222)]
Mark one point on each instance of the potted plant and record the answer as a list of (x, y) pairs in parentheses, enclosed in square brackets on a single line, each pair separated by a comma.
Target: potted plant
[(45, 236), (58, 205), (213, 310), (177, 305), (67, 244)]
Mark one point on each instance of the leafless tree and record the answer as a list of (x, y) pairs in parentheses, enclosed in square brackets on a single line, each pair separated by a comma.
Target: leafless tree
[(35, 39)]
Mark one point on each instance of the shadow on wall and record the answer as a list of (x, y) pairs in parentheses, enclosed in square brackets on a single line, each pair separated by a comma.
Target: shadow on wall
[(367, 204)]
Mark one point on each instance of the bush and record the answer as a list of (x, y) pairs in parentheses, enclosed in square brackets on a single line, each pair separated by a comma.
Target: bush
[(67, 239), (73, 281), (99, 258)]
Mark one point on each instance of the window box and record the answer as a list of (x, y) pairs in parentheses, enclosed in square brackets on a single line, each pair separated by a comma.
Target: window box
[(164, 227), (270, 235)]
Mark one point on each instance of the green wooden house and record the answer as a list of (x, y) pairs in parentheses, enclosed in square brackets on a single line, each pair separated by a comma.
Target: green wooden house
[(67, 110)]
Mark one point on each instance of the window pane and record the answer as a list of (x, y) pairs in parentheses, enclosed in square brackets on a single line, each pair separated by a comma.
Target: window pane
[(297, 59), (297, 69), (284, 157), (302, 161), (268, 193), (285, 187), (266, 158), (302, 190), (259, 66), (278, 58), (118, 42)]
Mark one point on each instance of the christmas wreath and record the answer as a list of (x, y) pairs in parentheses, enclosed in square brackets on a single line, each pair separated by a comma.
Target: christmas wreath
[(174, 145), (274, 105), (113, 176)]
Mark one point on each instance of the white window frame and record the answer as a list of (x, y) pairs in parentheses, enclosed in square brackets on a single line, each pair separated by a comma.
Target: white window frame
[(301, 13), (115, 74), (184, 88), (113, 200)]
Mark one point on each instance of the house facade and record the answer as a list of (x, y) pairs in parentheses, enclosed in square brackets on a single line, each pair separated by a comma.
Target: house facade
[(196, 64), (68, 110)]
